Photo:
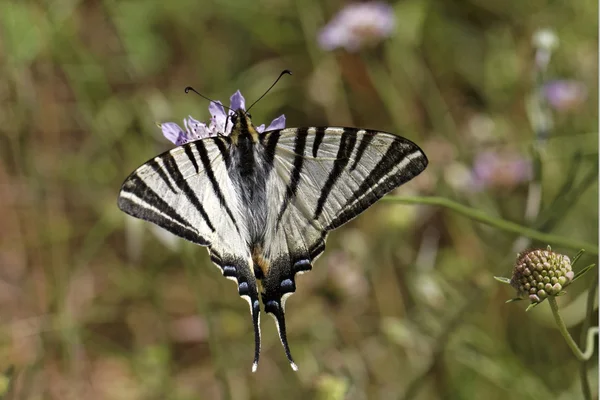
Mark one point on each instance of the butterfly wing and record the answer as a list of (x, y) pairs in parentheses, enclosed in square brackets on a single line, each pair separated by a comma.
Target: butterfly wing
[(188, 191), (321, 179)]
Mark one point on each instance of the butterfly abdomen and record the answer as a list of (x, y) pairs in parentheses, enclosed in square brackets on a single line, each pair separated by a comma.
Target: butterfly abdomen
[(249, 172)]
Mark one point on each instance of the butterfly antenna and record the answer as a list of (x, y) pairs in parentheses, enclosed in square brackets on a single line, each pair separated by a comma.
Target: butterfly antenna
[(189, 88), (285, 71)]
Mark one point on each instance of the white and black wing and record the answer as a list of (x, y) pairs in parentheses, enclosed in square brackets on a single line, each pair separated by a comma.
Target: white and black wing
[(188, 191), (321, 178), (263, 204)]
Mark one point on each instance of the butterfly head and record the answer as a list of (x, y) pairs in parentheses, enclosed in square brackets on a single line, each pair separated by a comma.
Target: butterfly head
[(242, 126)]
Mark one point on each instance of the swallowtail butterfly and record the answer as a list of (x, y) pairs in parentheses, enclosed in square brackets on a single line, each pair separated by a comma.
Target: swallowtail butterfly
[(263, 203)]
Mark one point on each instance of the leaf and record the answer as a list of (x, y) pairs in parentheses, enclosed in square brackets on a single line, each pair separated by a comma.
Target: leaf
[(582, 272), (533, 305), (513, 300), (6, 380), (329, 387), (577, 256), (502, 279)]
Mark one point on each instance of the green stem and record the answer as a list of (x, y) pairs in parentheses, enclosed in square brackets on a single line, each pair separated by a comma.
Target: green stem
[(508, 226), (581, 356), (585, 384)]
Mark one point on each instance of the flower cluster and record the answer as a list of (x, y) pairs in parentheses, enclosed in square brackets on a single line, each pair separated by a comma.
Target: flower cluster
[(565, 94), (196, 130), (541, 273), (358, 24), (500, 170)]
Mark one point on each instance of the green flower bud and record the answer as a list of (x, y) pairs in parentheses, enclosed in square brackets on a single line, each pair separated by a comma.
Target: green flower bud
[(562, 280), (540, 273), (534, 298), (556, 288), (570, 275)]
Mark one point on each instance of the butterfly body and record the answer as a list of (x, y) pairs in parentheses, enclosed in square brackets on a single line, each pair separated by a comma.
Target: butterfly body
[(263, 203)]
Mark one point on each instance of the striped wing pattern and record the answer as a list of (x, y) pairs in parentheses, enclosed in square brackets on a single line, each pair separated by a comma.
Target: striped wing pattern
[(323, 177), (187, 191), (303, 182)]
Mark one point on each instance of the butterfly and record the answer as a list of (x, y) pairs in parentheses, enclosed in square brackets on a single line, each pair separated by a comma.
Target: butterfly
[(264, 202)]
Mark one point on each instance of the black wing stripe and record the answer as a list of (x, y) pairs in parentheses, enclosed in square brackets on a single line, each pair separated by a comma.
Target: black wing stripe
[(161, 173), (165, 216), (149, 215), (376, 185), (271, 144), (175, 173), (318, 247), (364, 143), (395, 153), (319, 135), (347, 143), (221, 143), (201, 149), (188, 152), (292, 187)]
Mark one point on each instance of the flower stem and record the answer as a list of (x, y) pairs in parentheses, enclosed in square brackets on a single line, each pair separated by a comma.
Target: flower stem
[(585, 384), (581, 356), (508, 226)]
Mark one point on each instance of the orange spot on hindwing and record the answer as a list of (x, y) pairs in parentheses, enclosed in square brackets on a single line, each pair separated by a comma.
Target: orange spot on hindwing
[(261, 264)]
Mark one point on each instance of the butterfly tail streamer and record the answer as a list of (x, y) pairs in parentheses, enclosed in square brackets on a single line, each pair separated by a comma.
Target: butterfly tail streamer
[(275, 308), (256, 323)]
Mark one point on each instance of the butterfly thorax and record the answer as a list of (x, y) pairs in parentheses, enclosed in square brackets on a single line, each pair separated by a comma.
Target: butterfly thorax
[(242, 127)]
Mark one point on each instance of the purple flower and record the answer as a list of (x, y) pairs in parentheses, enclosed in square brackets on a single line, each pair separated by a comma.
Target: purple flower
[(358, 24), (219, 124), (564, 95), (500, 170)]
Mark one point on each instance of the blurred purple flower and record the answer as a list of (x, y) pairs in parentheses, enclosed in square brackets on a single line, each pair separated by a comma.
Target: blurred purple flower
[(564, 95), (358, 24), (196, 130), (500, 170)]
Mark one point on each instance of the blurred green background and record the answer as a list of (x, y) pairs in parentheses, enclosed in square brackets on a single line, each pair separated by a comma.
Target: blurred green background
[(96, 305)]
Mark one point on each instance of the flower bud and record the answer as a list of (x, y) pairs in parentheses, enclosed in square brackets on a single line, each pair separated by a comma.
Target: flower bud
[(541, 273)]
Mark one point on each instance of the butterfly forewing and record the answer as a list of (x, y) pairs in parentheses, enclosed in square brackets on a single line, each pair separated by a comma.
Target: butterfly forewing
[(333, 174), (173, 191)]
